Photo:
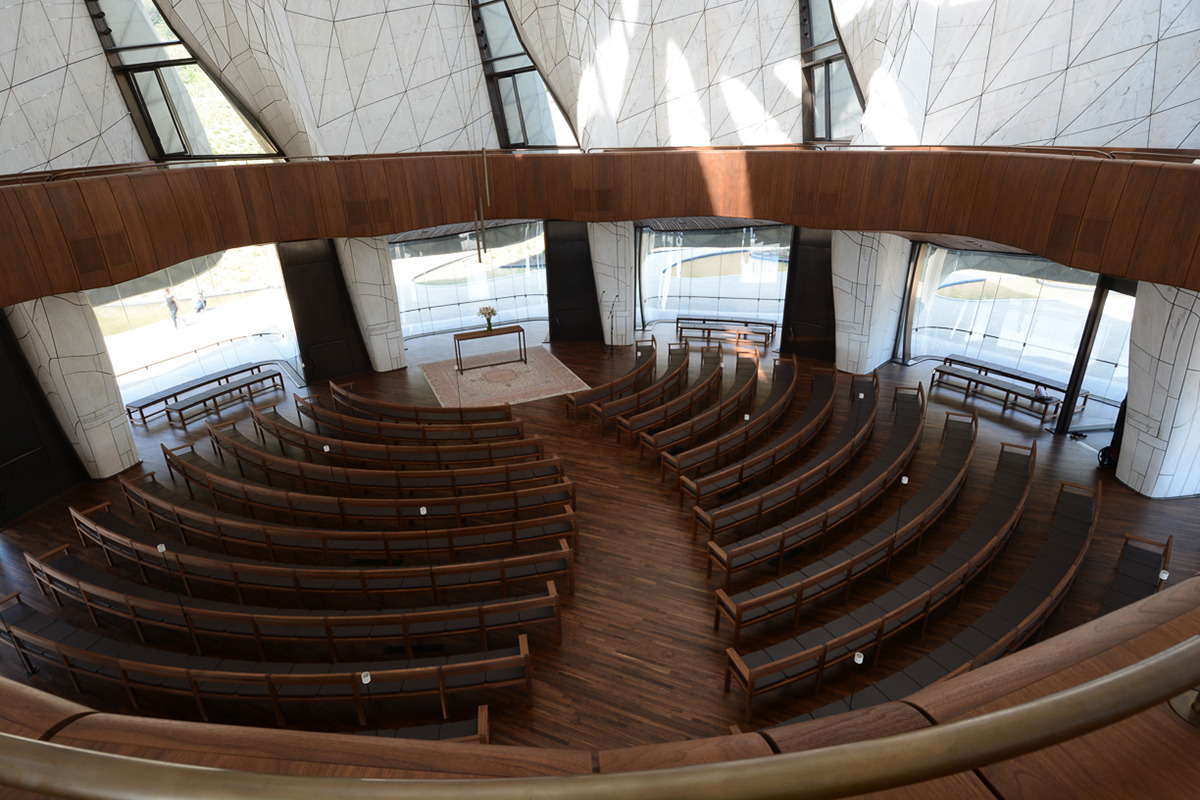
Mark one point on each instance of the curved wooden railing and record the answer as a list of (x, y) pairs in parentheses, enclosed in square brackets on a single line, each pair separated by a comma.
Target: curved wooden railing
[(1134, 216), (827, 772)]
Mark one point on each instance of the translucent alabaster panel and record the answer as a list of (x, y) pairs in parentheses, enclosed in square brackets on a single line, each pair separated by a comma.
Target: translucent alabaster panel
[(367, 268), (62, 343), (61, 105), (869, 274), (333, 78), (613, 265), (1162, 422)]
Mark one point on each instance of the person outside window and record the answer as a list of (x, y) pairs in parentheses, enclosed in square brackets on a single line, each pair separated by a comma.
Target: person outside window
[(200, 303), (172, 306)]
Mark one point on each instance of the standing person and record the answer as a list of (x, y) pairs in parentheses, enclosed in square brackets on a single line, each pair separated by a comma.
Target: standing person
[(172, 306)]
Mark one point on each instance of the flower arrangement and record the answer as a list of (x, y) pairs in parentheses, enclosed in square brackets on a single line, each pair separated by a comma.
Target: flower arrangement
[(487, 312)]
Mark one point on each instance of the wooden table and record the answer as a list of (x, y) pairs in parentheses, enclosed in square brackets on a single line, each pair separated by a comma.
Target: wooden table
[(459, 338)]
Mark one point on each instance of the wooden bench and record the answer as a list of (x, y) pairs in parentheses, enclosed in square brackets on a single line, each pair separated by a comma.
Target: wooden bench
[(210, 400), (237, 535), (775, 453), (332, 450), (373, 408), (327, 422), (804, 478), (1015, 384), (697, 397), (259, 501), (701, 426), (138, 669), (179, 390), (874, 549), (281, 634), (673, 381), (641, 376), (810, 526), (253, 461), (1021, 613), (712, 330), (315, 587), (900, 608), (743, 437), (1141, 570)]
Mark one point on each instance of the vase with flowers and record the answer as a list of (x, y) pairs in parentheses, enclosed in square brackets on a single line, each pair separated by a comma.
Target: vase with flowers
[(487, 312)]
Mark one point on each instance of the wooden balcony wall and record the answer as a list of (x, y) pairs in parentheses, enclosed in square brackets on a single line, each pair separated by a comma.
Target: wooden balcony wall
[(1134, 218)]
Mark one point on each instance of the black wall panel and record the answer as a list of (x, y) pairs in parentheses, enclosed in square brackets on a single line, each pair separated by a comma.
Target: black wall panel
[(327, 333), (570, 284), (36, 460), (809, 326)]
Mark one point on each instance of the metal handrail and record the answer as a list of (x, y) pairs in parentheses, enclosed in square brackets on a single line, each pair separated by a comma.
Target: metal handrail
[(829, 772)]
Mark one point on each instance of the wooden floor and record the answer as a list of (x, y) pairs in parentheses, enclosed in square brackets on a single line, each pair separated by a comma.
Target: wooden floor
[(639, 662)]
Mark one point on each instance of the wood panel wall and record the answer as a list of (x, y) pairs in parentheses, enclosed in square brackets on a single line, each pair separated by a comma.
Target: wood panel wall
[(1131, 218)]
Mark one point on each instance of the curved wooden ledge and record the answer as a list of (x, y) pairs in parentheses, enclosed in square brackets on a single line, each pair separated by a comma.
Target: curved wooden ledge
[(1128, 217), (1116, 768)]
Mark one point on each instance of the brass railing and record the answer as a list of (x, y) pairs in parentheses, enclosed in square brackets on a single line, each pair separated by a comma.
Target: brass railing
[(829, 772)]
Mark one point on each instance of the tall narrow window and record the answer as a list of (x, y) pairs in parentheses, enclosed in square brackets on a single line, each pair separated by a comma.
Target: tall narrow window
[(527, 115), (178, 108), (833, 104)]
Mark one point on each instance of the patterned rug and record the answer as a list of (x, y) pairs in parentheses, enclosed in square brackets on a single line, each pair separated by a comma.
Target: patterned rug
[(543, 376)]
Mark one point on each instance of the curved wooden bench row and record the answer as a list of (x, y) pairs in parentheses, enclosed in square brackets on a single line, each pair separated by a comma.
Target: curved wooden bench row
[(777, 451), (698, 396), (256, 463), (173, 393), (1095, 648), (137, 669), (709, 423), (279, 634), (911, 603), (846, 504), (235, 535), (258, 501), (283, 433), (313, 587), (672, 382), (874, 549), (210, 399), (348, 402), (739, 440), (645, 355), (1023, 610), (327, 422), (804, 478)]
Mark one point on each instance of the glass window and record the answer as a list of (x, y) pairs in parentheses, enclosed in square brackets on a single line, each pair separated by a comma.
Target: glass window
[(507, 87), (1107, 372), (736, 273), (834, 106), (821, 23), (1019, 311), (501, 34), (186, 114), (442, 283), (158, 110), (230, 308), (531, 116), (844, 110)]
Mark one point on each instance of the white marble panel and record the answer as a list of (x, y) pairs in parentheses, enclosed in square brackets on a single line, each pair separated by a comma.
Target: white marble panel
[(612, 248), (61, 340), (1162, 429), (367, 268), (869, 275)]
